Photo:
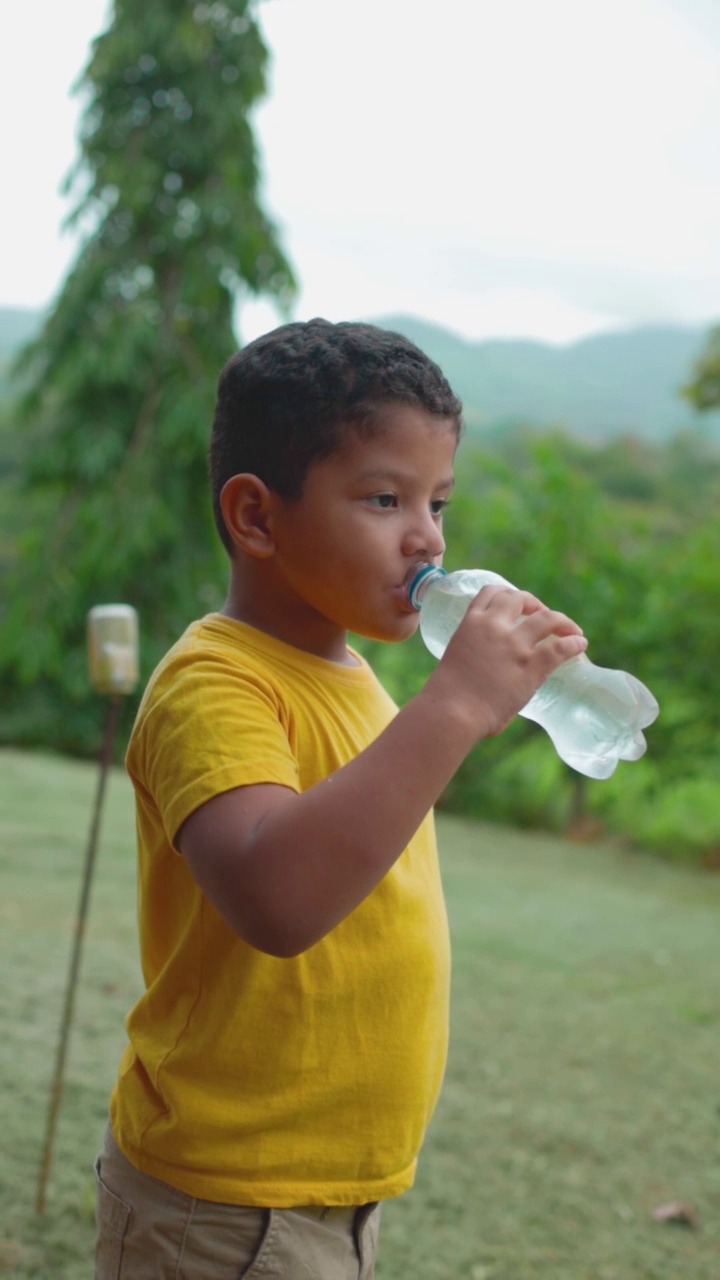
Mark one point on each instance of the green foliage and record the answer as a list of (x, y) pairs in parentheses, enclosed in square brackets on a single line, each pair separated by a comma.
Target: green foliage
[(119, 385), (675, 815), (681, 479), (516, 778)]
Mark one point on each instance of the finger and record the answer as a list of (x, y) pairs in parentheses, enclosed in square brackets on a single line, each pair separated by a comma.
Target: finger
[(531, 604), (549, 622), (515, 603), (497, 596), (557, 649)]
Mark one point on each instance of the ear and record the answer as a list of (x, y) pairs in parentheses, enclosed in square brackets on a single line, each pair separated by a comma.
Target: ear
[(245, 503)]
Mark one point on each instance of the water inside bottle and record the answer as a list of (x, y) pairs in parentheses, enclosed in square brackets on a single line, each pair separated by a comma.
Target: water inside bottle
[(442, 613), (594, 716)]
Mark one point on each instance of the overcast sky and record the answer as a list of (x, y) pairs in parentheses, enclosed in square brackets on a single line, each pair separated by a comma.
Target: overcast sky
[(497, 166)]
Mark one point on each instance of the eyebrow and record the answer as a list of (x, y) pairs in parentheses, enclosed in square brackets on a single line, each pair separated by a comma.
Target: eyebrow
[(399, 477)]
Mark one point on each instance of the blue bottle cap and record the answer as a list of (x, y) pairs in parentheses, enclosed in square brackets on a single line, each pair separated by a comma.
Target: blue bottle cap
[(424, 572)]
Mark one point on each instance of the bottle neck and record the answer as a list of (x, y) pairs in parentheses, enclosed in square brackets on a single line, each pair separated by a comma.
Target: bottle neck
[(425, 574)]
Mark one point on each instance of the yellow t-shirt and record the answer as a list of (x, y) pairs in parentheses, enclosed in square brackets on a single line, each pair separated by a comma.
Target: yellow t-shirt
[(250, 1079)]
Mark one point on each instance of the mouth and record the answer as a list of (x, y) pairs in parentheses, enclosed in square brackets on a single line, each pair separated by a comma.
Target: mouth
[(420, 564), (403, 598), (404, 587)]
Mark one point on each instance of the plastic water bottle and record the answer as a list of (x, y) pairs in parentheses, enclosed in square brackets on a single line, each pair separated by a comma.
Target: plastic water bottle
[(594, 715)]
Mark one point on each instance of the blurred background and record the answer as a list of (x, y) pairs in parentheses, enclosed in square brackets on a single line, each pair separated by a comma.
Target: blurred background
[(529, 192)]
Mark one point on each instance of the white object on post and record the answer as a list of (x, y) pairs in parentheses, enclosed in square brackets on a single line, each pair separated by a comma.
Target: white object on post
[(112, 631)]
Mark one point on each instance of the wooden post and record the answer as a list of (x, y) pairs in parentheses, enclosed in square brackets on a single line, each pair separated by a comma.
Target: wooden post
[(112, 647)]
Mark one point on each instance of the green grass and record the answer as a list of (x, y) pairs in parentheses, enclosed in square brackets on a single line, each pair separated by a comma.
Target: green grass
[(582, 1089)]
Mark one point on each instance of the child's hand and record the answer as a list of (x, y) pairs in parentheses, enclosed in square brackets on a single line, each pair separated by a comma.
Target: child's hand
[(284, 868), (506, 646)]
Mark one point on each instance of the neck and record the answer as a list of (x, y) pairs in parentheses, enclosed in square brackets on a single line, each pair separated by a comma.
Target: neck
[(284, 618)]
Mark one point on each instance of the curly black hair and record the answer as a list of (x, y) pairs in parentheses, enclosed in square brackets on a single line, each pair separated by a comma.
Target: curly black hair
[(288, 399)]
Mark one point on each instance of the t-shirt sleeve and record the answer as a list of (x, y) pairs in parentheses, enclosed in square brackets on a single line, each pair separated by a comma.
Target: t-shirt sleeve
[(208, 728)]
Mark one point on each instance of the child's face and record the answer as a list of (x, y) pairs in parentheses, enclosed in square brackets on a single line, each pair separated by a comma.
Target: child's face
[(368, 515)]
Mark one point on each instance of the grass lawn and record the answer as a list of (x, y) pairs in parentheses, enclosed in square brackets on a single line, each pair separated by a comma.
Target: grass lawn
[(582, 1089)]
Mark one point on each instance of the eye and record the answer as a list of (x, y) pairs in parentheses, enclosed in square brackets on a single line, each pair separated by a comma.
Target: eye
[(386, 501), (438, 505)]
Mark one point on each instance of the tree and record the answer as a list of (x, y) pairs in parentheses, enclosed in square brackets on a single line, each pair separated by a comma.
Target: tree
[(122, 377), (704, 388)]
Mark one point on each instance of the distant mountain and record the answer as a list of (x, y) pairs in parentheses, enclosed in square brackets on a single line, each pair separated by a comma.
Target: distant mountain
[(612, 384), (626, 382), (17, 325)]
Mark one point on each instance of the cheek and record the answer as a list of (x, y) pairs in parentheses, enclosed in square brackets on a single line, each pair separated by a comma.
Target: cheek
[(304, 541)]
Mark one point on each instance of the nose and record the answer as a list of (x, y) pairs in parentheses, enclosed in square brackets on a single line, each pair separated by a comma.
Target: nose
[(424, 538)]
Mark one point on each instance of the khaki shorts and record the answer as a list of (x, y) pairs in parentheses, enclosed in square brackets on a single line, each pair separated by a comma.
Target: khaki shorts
[(147, 1230)]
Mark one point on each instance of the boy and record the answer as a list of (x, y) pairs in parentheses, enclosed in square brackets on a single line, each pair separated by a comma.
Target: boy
[(287, 1053)]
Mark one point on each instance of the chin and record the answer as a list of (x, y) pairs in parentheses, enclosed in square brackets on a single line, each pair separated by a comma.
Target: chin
[(402, 629)]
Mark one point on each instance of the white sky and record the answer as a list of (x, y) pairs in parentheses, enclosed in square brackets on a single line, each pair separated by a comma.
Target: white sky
[(498, 166)]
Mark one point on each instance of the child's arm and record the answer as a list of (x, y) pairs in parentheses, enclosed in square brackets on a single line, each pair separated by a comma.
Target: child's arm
[(285, 868)]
